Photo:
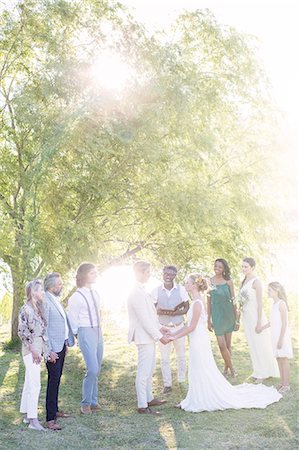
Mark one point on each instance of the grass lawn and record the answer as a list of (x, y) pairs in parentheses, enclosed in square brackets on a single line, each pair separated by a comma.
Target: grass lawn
[(118, 426)]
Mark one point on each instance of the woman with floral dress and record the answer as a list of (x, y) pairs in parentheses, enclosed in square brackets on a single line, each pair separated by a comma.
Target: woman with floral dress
[(32, 332)]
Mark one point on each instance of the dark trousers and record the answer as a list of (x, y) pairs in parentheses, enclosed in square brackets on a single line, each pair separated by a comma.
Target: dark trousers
[(54, 375)]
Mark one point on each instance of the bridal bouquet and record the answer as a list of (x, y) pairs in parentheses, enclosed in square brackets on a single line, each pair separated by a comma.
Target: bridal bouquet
[(241, 299)]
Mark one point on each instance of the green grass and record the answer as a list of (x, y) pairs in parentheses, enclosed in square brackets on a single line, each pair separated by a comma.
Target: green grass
[(118, 426)]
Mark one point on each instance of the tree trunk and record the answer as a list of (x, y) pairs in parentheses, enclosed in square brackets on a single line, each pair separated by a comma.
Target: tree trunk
[(18, 296)]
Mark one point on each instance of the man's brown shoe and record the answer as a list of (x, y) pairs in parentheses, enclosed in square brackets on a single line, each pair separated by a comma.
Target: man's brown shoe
[(148, 411), (86, 409), (95, 408), (52, 425), (62, 415), (156, 402)]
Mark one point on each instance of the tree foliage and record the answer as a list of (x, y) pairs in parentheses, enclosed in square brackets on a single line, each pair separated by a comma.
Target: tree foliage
[(170, 166)]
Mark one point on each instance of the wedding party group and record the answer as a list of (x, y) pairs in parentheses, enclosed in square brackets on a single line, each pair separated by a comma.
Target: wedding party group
[(159, 316), (209, 305)]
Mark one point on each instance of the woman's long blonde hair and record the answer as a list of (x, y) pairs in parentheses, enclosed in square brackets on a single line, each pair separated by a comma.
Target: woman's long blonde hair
[(279, 289), (39, 305)]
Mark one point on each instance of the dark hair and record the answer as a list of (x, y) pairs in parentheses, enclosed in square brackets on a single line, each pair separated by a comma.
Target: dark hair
[(251, 262), (82, 272), (50, 280), (173, 268), (226, 271)]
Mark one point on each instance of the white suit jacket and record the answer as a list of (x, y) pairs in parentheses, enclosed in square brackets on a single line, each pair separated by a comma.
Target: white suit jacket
[(143, 320)]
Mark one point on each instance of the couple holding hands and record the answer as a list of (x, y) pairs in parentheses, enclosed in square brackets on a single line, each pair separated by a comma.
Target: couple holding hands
[(208, 389)]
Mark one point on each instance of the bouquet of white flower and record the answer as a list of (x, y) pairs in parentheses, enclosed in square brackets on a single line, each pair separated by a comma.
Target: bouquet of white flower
[(241, 299)]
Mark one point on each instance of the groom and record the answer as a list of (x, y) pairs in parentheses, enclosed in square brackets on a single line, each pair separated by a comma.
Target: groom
[(145, 331)]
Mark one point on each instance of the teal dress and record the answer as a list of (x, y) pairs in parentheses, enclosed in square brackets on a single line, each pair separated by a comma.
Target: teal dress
[(222, 310)]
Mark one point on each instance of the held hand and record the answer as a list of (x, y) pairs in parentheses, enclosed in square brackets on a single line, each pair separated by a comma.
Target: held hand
[(53, 357), (258, 328), (36, 357), (164, 340), (210, 326), (164, 330), (237, 326)]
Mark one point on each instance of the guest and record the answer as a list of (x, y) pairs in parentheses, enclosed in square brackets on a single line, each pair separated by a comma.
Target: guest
[(84, 316), (60, 337), (32, 332), (280, 333), (222, 315), (258, 339), (208, 389), (168, 297), (145, 331)]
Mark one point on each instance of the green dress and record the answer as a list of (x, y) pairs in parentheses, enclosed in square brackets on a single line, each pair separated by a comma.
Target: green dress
[(222, 310)]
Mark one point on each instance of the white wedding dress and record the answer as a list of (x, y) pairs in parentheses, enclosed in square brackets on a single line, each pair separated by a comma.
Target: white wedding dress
[(208, 389)]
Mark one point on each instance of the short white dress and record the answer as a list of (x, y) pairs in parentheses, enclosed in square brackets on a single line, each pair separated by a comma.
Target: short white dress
[(286, 350)]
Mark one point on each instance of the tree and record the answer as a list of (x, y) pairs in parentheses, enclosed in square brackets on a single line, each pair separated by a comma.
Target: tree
[(165, 167)]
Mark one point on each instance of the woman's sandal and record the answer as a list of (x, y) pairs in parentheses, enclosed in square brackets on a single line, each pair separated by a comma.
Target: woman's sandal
[(284, 389), (233, 373)]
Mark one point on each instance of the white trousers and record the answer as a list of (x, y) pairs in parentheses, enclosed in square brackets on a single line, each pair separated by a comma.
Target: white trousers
[(145, 369), (165, 350), (31, 388)]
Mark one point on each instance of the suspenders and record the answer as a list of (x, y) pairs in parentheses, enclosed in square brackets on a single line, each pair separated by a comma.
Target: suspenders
[(89, 310)]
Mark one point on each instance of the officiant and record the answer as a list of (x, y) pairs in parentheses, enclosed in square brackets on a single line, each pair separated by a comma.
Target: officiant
[(172, 303)]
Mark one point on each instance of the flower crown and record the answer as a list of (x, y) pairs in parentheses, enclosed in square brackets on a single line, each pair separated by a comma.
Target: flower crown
[(199, 280)]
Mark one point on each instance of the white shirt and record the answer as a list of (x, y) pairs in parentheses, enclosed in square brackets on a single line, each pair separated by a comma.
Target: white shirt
[(62, 312), (78, 313)]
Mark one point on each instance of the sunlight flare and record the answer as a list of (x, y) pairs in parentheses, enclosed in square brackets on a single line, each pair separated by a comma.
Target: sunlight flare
[(110, 71)]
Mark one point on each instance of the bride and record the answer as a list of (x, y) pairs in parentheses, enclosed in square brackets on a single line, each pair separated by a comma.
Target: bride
[(208, 389)]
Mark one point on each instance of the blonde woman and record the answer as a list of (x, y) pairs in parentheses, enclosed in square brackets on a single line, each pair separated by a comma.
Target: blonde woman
[(32, 332), (208, 389), (280, 333)]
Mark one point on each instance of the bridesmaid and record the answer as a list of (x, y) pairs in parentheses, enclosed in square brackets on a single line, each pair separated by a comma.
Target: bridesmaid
[(258, 339), (221, 310)]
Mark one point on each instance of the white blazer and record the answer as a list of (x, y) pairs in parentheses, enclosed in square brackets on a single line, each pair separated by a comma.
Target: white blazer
[(144, 327)]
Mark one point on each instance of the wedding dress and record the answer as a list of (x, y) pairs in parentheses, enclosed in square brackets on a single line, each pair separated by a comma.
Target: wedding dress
[(209, 390)]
